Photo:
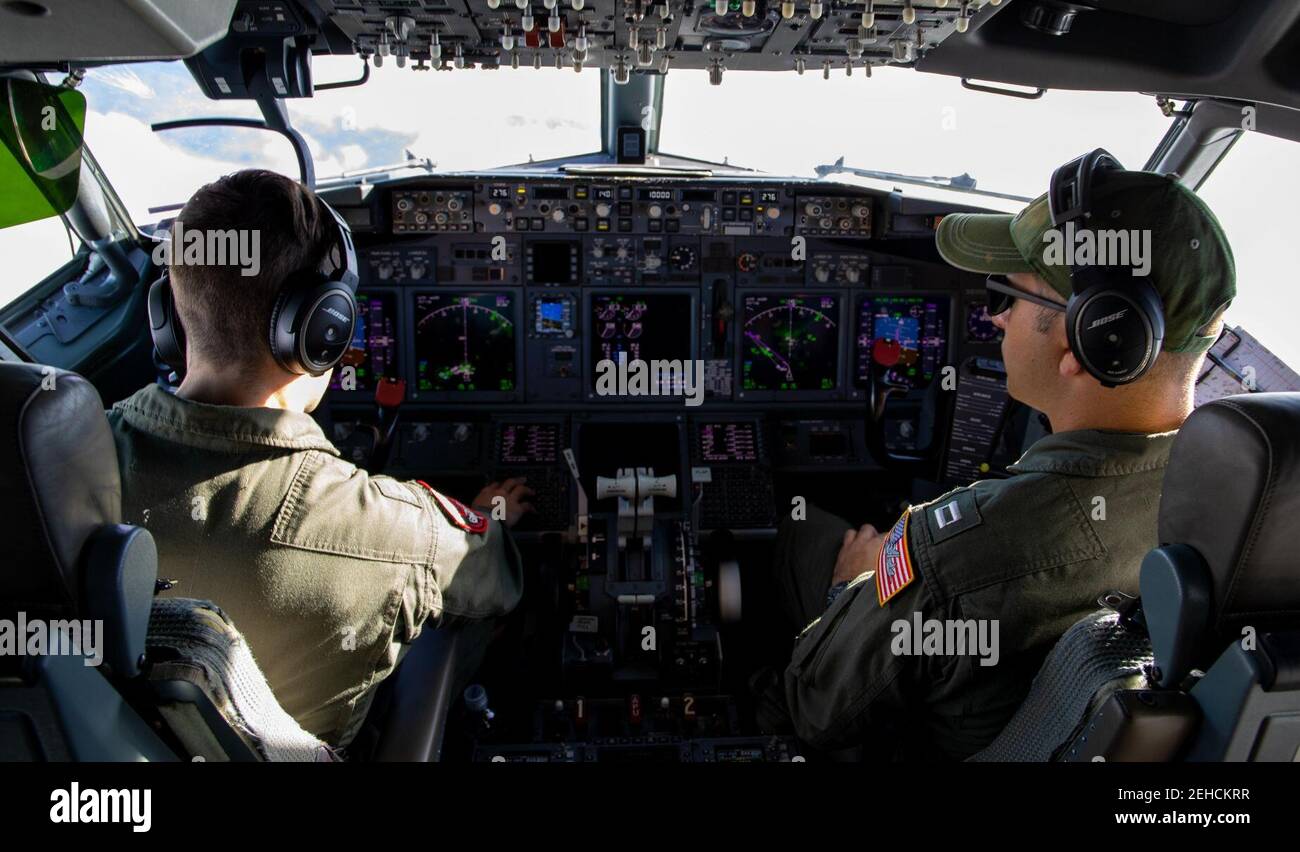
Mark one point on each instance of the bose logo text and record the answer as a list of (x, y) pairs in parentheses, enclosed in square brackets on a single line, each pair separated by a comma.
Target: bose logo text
[(1107, 318)]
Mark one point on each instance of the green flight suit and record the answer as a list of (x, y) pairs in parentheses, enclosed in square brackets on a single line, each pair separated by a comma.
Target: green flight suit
[(1025, 556), (327, 571)]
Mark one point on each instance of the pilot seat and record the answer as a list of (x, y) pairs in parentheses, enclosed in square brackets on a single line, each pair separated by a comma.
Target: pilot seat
[(1205, 664), (176, 679)]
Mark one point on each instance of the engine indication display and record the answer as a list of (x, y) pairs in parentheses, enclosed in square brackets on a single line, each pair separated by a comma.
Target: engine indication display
[(464, 342), (373, 352), (642, 326), (906, 337), (728, 442), (790, 342)]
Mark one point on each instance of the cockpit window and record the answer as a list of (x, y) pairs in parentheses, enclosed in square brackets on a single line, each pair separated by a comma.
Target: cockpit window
[(152, 171), (32, 251), (1253, 192), (903, 122), (457, 121), (477, 120)]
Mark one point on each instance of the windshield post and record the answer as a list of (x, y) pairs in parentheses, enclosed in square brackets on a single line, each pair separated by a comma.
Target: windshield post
[(277, 119), (636, 103)]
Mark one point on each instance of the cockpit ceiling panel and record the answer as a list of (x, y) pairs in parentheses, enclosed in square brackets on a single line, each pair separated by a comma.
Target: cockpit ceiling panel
[(768, 35), (50, 31)]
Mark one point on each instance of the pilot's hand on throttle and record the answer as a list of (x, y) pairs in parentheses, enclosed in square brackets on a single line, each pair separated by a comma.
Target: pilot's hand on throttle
[(514, 495), (858, 553)]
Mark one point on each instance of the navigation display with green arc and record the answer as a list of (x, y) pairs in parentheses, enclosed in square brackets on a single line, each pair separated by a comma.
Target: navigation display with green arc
[(790, 342), (464, 342)]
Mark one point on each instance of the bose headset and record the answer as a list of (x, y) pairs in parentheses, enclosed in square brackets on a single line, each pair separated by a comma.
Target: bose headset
[(1114, 320), (312, 320)]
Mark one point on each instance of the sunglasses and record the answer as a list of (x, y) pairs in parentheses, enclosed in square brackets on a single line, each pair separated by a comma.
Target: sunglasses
[(1002, 294)]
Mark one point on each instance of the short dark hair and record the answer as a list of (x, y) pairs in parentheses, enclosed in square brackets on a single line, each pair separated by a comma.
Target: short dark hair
[(226, 315)]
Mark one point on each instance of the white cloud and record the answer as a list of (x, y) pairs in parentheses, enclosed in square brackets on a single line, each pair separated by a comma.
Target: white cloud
[(1251, 193), (31, 252), (124, 78), (148, 171), (465, 119), (900, 121), (353, 156)]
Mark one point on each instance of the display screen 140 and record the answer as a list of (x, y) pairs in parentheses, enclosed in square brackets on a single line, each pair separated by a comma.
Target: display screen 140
[(464, 342), (790, 342), (902, 339), (374, 350)]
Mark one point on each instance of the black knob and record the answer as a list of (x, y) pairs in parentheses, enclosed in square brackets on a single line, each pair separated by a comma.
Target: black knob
[(1052, 18)]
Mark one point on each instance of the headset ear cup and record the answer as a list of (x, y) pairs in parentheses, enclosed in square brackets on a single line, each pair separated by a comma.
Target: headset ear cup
[(1155, 311), (1115, 332), (327, 328), (282, 335), (165, 325), (1072, 308), (312, 325), (314, 315)]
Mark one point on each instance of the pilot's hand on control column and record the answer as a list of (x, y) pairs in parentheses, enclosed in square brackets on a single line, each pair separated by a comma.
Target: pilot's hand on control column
[(858, 553), (513, 492)]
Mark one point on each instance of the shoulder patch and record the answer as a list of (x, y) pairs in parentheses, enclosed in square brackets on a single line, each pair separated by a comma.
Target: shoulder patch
[(460, 515), (894, 566), (951, 515)]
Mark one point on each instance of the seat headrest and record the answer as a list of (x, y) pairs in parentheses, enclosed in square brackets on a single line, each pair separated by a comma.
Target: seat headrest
[(1232, 492), (59, 482)]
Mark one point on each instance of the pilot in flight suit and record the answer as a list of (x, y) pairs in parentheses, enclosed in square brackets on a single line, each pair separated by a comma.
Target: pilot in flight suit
[(327, 571), (1021, 558)]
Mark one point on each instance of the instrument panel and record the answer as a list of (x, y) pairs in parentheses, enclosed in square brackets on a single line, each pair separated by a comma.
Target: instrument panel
[(525, 291), (718, 345), (796, 302)]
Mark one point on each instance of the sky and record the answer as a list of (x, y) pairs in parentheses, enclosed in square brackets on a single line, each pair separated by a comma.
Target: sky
[(898, 120)]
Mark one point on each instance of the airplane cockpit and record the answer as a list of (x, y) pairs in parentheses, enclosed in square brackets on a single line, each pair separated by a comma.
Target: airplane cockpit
[(677, 354)]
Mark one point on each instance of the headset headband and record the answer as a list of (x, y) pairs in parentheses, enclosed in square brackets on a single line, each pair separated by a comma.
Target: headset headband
[(345, 271), (1069, 197)]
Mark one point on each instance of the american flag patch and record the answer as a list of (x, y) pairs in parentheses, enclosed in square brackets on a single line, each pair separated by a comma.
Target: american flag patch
[(894, 566)]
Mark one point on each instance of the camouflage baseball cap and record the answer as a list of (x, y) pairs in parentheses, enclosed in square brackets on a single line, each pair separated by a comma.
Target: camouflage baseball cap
[(1187, 256)]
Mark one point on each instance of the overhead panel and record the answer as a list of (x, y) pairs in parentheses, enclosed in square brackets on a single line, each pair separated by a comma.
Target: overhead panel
[(769, 35)]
